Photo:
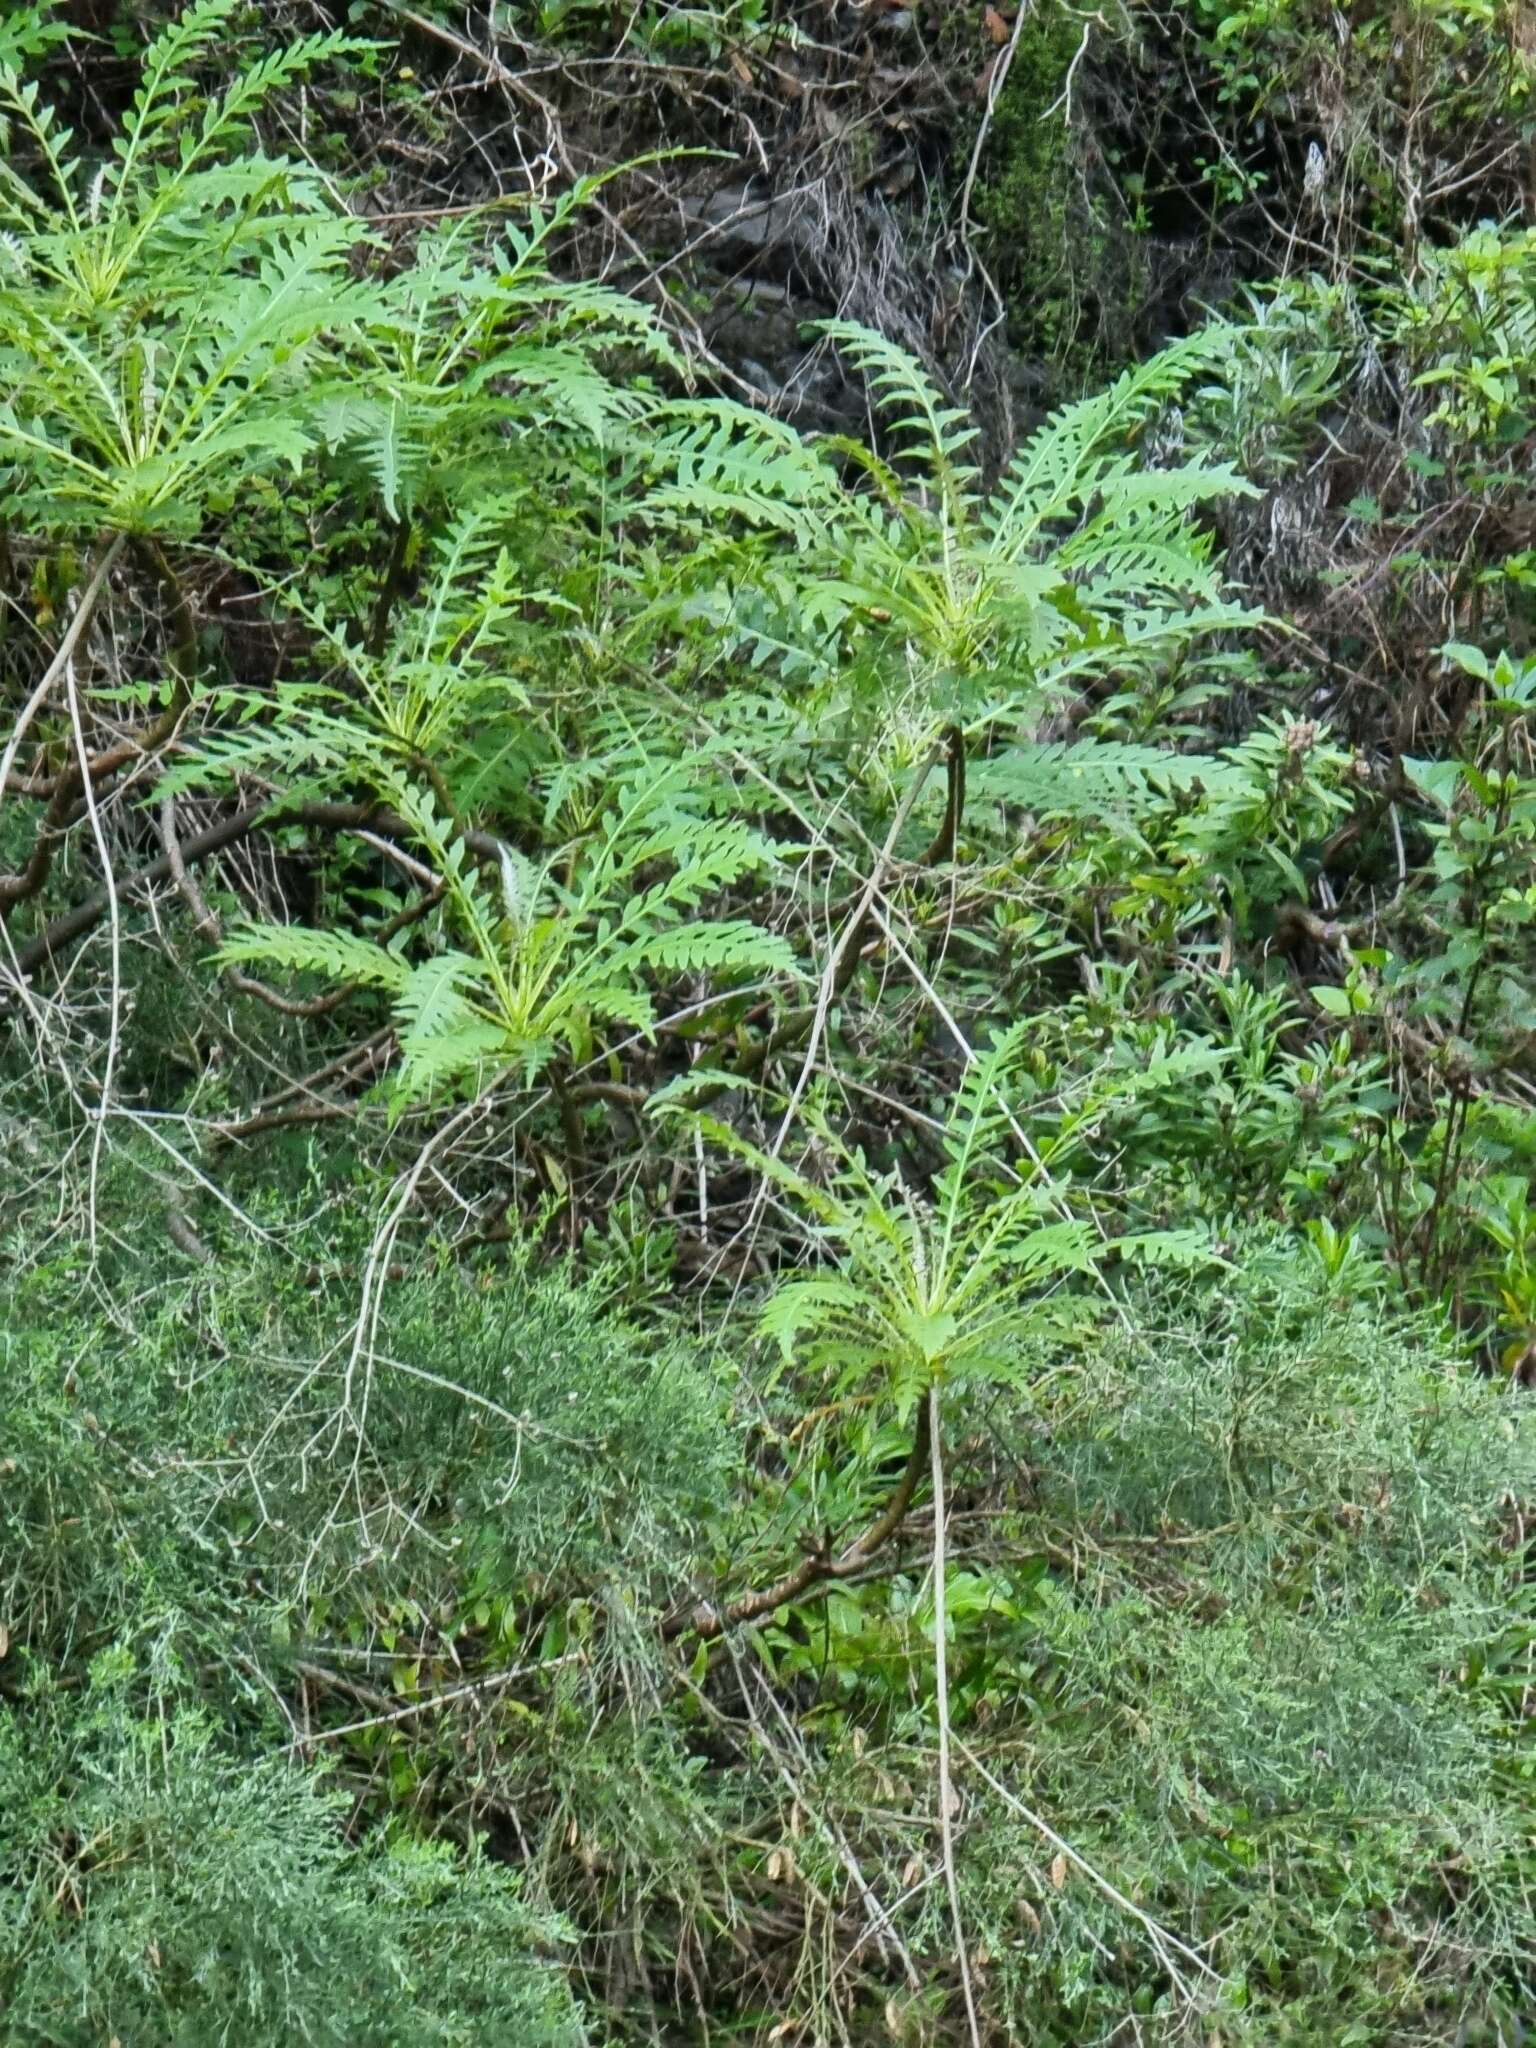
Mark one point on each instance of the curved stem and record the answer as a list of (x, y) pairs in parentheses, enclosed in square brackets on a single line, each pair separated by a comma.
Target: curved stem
[(709, 1621), (942, 846)]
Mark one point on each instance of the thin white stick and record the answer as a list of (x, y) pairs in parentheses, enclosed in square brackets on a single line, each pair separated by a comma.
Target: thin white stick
[(850, 931), (363, 1352), (995, 84), (365, 1329), (968, 1053), (941, 1688), (827, 989), (443, 1699), (60, 662), (520, 1423), (145, 1120), (114, 925), (1160, 1937), (881, 1926), (1065, 99)]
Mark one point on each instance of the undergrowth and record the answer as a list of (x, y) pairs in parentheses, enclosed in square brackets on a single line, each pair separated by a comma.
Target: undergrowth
[(767, 1223)]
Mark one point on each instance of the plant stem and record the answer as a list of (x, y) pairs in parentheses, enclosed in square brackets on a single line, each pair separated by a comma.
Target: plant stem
[(389, 589), (941, 1689), (709, 1621)]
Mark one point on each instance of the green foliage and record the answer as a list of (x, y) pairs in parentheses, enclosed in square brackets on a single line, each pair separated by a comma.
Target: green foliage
[(925, 1287), (164, 1886), (467, 346), (26, 33), (1082, 557), (1044, 925), (1047, 230), (1220, 1659), (1470, 320), (511, 1427), (1280, 379), (553, 959), (1318, 1718), (1366, 133), (166, 314), (172, 1866)]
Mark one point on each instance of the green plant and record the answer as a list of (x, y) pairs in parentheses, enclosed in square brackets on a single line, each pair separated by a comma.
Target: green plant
[(167, 315), (468, 346), (1083, 558), (1471, 320), (1280, 377), (26, 33), (161, 1885), (930, 1287), (565, 950), (430, 691), (1470, 985), (821, 1358)]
